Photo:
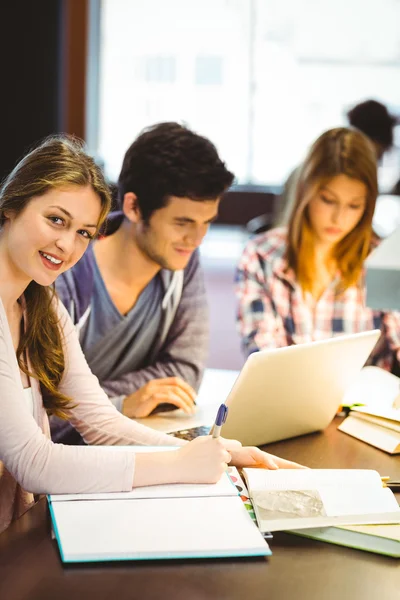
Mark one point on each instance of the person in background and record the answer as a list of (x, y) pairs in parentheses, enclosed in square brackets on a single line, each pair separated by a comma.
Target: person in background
[(371, 118), (305, 281), (374, 120), (51, 206), (137, 297)]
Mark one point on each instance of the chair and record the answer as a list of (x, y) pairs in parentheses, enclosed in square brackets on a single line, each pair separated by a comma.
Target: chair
[(242, 207)]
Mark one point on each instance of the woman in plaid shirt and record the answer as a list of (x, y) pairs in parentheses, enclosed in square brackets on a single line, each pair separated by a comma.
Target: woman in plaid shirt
[(306, 281)]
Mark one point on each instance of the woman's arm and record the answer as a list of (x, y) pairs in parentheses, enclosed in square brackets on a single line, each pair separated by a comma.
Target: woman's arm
[(36, 463), (391, 330), (258, 324), (40, 466)]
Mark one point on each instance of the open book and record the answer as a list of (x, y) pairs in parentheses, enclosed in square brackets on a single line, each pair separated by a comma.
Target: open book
[(298, 499), (377, 420), (155, 522)]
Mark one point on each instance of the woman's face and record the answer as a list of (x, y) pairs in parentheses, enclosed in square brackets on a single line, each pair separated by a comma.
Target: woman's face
[(337, 208), (51, 233)]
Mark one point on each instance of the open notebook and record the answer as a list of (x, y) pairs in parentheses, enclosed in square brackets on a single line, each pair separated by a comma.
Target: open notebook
[(298, 499), (155, 522)]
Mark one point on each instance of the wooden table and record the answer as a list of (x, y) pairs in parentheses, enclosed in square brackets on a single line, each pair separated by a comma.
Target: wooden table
[(299, 568)]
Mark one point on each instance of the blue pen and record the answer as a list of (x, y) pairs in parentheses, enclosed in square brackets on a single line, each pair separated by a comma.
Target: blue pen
[(220, 420)]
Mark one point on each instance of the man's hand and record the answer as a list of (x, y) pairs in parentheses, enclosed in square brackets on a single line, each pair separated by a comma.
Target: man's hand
[(250, 456), (172, 390)]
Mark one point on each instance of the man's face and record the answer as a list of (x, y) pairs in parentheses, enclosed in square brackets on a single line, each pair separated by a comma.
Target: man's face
[(175, 231)]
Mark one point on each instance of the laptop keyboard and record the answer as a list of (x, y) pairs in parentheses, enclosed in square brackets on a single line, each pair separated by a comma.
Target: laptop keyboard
[(193, 432)]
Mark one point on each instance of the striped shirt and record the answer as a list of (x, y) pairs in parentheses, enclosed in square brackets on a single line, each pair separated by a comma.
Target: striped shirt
[(274, 311)]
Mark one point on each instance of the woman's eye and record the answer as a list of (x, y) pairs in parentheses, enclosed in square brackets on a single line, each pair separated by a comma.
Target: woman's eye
[(85, 234), (355, 206), (56, 220), (327, 200)]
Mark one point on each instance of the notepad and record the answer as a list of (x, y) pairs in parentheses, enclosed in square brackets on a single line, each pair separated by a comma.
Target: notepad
[(175, 521), (299, 499)]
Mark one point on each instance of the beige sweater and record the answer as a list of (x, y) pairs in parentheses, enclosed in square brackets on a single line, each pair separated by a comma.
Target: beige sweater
[(30, 463)]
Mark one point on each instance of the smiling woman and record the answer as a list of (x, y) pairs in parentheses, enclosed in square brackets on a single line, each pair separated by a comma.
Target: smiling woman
[(51, 205), (45, 229), (38, 240), (306, 282)]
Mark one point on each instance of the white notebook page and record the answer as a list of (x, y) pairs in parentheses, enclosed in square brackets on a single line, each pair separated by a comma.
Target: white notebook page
[(294, 479), (224, 487), (157, 528)]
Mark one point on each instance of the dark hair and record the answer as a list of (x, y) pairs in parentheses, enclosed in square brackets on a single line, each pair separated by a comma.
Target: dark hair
[(169, 159), (57, 162), (373, 119)]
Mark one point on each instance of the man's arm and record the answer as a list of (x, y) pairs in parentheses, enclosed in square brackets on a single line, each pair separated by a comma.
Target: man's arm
[(184, 351)]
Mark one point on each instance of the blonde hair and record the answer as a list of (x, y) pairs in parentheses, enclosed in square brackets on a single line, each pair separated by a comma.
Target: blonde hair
[(59, 161), (339, 151)]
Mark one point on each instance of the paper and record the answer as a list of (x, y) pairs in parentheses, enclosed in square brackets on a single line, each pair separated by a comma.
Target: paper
[(224, 487), (301, 479), (373, 387), (157, 528), (295, 499)]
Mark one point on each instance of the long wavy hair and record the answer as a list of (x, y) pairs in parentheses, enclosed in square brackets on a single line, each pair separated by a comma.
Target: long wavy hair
[(58, 161), (339, 151)]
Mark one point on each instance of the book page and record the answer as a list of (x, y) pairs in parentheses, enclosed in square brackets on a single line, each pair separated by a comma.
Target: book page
[(224, 487), (294, 499), (386, 423), (392, 414), (373, 387), (357, 500), (300, 479), (157, 528), (331, 505), (324, 502)]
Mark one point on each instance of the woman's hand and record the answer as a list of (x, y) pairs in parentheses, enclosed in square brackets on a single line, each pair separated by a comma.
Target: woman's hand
[(250, 456), (203, 460)]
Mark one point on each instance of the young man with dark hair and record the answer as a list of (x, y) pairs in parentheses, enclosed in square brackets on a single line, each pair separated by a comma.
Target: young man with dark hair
[(137, 296)]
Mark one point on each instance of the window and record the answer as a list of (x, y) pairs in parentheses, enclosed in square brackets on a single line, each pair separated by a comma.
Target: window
[(158, 69), (261, 78), (208, 70)]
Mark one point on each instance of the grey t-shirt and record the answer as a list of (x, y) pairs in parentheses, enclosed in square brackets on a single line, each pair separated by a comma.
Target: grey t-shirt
[(116, 344)]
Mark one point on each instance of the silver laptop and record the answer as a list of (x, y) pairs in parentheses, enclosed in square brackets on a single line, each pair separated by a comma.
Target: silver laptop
[(295, 390)]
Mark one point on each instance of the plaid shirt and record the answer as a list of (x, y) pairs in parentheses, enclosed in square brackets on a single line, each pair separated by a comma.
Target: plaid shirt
[(274, 313)]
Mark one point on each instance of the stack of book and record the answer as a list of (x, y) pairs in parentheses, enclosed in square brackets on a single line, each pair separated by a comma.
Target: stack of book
[(380, 428), (375, 410)]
